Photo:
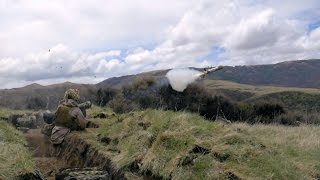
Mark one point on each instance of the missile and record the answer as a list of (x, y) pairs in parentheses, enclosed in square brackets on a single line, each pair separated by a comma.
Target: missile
[(210, 69)]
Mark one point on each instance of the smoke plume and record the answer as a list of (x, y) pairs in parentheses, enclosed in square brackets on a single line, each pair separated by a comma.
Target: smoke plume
[(180, 78)]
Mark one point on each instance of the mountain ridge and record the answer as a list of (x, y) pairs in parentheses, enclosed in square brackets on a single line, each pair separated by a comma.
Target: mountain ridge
[(301, 74)]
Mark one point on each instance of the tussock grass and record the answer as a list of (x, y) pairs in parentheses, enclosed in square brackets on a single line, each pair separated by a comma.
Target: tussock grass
[(164, 142), (97, 109), (14, 157), (4, 112)]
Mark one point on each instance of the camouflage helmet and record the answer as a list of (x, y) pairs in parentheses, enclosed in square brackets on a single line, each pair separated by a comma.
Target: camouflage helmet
[(72, 94)]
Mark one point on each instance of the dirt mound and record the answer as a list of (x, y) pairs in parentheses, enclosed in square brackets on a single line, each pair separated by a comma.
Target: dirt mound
[(73, 159)]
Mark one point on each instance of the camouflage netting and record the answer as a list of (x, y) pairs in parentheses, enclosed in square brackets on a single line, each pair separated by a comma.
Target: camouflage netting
[(72, 94)]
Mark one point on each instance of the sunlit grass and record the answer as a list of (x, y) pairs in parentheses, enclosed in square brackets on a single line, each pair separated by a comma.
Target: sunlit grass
[(14, 157), (161, 140), (257, 90)]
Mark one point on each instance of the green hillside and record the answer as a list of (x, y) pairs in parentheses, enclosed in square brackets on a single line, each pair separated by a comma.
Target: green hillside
[(255, 90), (182, 145), (179, 145), (297, 99)]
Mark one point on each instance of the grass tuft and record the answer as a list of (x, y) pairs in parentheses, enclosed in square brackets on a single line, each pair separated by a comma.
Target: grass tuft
[(14, 157), (163, 142)]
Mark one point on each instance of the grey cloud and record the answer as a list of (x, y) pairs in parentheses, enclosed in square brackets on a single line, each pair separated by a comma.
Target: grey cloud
[(254, 32), (59, 62), (184, 32), (28, 26)]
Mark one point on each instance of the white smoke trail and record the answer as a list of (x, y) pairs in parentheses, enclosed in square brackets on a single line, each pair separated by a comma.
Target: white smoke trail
[(180, 78)]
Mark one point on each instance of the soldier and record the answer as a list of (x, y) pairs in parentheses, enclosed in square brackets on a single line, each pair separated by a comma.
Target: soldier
[(68, 117)]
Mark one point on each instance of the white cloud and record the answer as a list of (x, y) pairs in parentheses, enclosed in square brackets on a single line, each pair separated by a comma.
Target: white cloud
[(312, 40), (60, 62), (248, 32), (30, 26), (55, 41), (254, 32)]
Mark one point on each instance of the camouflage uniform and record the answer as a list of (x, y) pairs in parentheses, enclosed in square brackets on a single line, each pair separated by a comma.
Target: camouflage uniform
[(68, 117)]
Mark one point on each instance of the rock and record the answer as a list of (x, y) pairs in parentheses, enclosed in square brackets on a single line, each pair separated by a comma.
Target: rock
[(84, 173), (14, 118), (23, 129), (30, 120), (27, 121)]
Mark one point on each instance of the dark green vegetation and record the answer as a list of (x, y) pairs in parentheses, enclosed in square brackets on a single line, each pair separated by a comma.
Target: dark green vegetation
[(220, 99)]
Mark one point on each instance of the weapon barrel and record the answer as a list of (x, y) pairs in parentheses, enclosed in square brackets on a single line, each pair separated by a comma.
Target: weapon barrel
[(85, 105)]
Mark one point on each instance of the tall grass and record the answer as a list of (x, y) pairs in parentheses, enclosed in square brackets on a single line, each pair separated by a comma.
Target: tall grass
[(165, 142), (14, 157)]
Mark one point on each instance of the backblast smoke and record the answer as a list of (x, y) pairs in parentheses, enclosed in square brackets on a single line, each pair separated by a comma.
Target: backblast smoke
[(180, 78)]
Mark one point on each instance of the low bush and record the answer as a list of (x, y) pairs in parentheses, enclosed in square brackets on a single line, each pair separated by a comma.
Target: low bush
[(105, 95), (145, 94), (120, 105)]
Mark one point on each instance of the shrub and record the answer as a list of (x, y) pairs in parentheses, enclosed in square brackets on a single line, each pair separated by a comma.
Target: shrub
[(268, 110), (36, 103), (138, 85), (120, 105), (290, 118), (105, 95), (197, 99)]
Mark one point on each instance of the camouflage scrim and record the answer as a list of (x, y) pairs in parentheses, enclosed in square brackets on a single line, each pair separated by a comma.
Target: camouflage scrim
[(72, 94)]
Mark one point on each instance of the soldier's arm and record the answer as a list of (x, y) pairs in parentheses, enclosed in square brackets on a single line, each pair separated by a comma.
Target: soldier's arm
[(82, 122)]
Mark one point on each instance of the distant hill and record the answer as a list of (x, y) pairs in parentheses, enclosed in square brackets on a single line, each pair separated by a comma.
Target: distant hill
[(36, 97), (118, 82), (304, 73)]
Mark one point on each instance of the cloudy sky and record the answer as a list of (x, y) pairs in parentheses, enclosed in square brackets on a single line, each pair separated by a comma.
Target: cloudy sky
[(86, 41)]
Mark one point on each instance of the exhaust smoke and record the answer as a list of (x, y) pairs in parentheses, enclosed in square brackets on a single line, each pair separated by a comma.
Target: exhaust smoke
[(180, 78)]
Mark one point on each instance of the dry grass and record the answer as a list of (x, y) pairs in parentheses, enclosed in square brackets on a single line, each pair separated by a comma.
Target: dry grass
[(257, 90), (162, 141), (4, 112), (14, 157)]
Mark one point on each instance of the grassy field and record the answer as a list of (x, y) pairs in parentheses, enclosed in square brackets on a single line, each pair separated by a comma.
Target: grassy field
[(185, 146), (4, 112), (181, 145), (14, 157), (293, 99), (257, 90)]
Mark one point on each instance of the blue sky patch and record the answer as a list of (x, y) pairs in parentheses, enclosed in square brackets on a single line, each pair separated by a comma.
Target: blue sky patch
[(214, 53), (314, 25)]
